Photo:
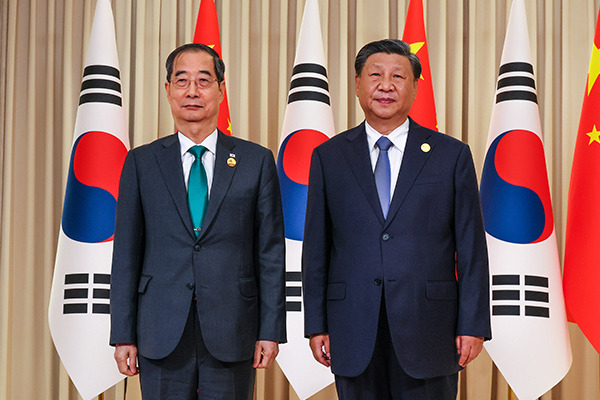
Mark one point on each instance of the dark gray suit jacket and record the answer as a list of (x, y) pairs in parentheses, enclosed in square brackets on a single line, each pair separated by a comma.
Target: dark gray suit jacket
[(236, 266), (351, 253)]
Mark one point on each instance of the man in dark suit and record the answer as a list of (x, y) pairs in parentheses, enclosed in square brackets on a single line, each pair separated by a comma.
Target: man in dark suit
[(198, 275), (395, 266)]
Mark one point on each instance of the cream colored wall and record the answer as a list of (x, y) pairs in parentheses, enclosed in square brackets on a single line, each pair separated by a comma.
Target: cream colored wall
[(42, 43)]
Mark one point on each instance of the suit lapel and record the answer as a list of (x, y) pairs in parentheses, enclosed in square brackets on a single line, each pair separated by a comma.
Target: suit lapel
[(360, 163), (412, 162), (222, 177), (169, 161)]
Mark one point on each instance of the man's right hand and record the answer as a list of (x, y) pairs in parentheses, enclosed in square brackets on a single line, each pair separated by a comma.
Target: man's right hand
[(319, 344), (126, 357)]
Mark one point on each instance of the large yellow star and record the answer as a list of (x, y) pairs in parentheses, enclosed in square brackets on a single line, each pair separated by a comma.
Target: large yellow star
[(594, 135), (414, 48), (229, 126), (594, 68)]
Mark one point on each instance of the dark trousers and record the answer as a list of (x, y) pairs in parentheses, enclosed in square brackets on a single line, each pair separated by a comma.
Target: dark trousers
[(190, 372), (384, 378)]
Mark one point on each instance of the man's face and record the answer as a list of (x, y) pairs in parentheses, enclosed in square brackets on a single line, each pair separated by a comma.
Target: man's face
[(386, 88), (194, 104)]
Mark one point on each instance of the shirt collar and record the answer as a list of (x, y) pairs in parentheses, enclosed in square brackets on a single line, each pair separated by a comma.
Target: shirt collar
[(186, 143), (398, 136)]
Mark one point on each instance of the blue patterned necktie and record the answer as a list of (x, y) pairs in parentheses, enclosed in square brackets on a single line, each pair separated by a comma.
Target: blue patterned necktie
[(197, 189), (383, 174)]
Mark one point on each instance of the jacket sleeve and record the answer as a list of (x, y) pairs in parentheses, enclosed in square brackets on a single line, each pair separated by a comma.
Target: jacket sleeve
[(315, 251), (128, 254), (471, 252), (270, 255)]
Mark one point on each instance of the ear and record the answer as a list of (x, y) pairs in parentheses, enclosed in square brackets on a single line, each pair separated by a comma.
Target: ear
[(415, 86), (222, 91), (167, 89), (356, 83)]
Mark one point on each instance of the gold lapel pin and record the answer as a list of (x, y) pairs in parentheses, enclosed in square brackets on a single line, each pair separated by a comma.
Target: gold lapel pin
[(425, 147), (231, 162)]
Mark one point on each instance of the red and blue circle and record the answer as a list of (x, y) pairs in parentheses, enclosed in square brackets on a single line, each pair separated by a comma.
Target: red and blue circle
[(515, 196), (93, 187), (293, 167)]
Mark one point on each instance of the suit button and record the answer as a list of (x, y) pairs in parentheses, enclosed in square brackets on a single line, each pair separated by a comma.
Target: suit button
[(190, 285), (385, 237), (197, 247), (377, 282)]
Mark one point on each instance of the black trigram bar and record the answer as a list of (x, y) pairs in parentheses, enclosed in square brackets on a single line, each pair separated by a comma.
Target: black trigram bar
[(100, 308), (516, 67), (520, 78), (505, 310), (505, 295), (295, 291), (308, 82), (540, 281), (99, 83), (76, 278), (505, 279), (102, 278), (75, 308), (532, 311)]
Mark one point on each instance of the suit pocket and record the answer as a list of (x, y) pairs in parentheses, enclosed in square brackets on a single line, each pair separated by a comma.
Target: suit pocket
[(429, 179), (248, 287), (442, 290), (336, 291), (144, 279)]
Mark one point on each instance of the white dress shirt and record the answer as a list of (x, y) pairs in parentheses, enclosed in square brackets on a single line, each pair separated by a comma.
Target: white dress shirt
[(208, 158), (395, 153)]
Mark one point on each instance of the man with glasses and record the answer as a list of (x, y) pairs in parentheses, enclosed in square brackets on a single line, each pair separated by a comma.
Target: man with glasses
[(198, 276)]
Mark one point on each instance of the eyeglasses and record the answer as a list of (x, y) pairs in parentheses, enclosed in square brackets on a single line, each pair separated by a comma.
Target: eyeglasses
[(201, 82)]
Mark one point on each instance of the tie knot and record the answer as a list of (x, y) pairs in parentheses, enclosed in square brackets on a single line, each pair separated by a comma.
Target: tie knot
[(197, 151), (384, 143)]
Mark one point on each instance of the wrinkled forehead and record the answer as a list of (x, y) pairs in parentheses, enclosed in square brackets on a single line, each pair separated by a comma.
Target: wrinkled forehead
[(193, 61)]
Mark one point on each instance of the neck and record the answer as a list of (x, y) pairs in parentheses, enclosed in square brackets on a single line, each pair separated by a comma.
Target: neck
[(195, 132), (386, 126)]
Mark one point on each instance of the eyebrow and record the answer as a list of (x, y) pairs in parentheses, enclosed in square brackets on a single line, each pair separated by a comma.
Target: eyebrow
[(202, 71)]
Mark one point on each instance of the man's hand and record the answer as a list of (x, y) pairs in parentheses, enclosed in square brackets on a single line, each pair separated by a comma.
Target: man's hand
[(468, 347), (126, 357), (319, 344), (265, 352)]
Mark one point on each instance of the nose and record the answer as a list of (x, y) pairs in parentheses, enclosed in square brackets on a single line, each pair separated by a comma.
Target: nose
[(193, 89), (386, 83)]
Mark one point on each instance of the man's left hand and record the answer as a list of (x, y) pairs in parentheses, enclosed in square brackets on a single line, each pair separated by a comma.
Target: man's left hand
[(468, 347), (265, 352)]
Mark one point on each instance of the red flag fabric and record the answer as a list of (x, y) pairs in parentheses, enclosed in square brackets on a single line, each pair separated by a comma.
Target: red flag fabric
[(423, 109), (207, 32), (581, 277)]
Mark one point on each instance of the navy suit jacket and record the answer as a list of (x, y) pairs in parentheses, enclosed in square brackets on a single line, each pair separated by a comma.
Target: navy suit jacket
[(236, 266), (353, 257)]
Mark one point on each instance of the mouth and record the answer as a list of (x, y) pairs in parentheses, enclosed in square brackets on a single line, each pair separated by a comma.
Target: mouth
[(192, 107), (385, 100)]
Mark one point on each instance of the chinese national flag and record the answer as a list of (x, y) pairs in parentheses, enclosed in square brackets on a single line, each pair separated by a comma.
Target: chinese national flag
[(207, 32), (581, 278), (423, 109)]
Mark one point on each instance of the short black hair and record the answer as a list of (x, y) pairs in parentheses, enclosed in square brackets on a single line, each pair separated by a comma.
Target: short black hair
[(195, 47), (388, 46)]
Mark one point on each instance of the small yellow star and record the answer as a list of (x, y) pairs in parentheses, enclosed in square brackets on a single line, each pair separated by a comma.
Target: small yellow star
[(594, 68), (415, 47), (594, 135), (229, 126), (212, 46)]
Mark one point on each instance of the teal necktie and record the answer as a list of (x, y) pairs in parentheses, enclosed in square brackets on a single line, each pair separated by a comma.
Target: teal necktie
[(197, 189)]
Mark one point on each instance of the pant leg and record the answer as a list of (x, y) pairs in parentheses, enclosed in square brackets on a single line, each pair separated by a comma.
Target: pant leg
[(190, 372), (385, 379)]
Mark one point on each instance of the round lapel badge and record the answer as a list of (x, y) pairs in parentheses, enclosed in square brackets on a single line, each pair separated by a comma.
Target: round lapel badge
[(231, 162), (425, 147)]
